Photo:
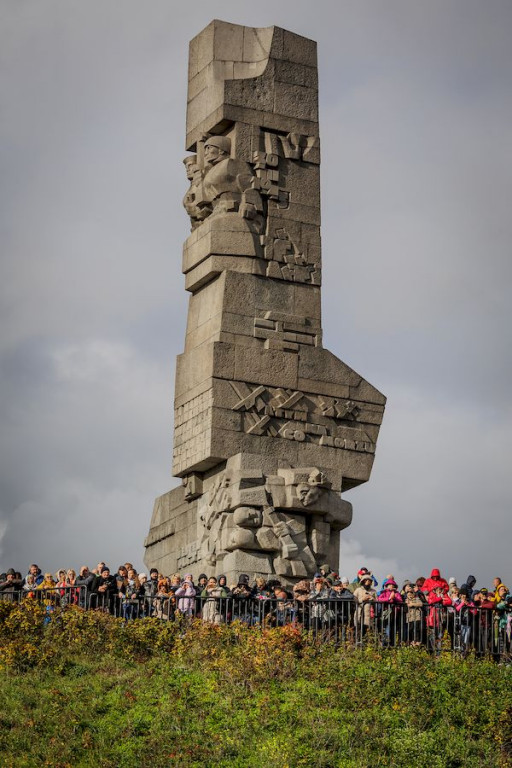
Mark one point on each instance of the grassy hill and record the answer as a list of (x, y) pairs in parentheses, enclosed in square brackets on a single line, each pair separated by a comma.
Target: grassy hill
[(87, 690)]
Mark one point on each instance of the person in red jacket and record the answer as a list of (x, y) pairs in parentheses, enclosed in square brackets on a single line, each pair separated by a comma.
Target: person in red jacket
[(435, 581)]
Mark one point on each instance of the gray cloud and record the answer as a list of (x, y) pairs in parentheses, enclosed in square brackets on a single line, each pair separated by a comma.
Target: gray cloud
[(416, 186)]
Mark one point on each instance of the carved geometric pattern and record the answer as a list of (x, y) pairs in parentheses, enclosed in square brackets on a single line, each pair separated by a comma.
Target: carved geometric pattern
[(286, 261), (285, 332), (303, 417)]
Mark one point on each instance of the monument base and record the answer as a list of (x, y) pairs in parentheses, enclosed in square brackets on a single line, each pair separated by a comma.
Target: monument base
[(263, 518)]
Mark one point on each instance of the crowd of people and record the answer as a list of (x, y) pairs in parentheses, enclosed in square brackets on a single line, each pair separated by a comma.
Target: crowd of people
[(419, 613)]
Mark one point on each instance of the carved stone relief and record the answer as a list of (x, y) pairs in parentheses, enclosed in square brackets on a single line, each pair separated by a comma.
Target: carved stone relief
[(221, 184), (287, 516), (300, 416), (281, 331)]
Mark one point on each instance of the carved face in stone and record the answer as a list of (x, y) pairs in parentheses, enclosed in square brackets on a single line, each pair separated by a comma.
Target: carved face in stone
[(309, 494), (248, 517), (213, 155), (190, 163), (216, 149)]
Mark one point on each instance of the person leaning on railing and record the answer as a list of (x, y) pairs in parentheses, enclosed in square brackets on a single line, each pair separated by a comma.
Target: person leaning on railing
[(365, 597), (211, 608), (105, 590), (85, 583)]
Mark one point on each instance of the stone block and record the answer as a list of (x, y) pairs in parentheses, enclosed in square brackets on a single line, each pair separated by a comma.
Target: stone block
[(322, 365), (193, 392), (238, 324), (228, 41), (256, 94), (201, 363), (215, 265), (298, 49), (304, 180), (252, 563), (245, 341), (226, 235), (364, 391), (308, 214), (206, 303), (239, 293), (257, 43), (324, 388), (271, 367), (296, 99), (296, 74), (204, 333)]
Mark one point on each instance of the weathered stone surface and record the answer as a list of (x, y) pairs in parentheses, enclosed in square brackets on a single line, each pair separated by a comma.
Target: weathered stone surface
[(269, 426)]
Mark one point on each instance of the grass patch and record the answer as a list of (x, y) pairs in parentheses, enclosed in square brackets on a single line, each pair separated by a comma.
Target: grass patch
[(96, 693)]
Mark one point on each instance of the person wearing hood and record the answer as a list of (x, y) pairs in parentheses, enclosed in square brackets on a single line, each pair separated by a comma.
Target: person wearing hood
[(469, 585), (241, 604), (327, 573), (202, 582), (186, 596), (365, 597), (435, 580), (85, 582), (222, 581), (11, 585)]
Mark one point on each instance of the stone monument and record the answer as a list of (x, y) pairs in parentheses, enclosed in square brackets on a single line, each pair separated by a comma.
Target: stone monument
[(270, 428)]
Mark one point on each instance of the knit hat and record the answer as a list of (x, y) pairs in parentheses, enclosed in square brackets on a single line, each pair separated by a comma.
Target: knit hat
[(365, 576), (345, 580), (452, 580), (390, 583)]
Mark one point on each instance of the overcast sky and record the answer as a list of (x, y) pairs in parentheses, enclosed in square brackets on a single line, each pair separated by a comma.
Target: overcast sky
[(415, 121)]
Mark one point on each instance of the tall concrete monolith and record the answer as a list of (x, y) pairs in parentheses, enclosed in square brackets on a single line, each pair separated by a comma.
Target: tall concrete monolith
[(270, 428)]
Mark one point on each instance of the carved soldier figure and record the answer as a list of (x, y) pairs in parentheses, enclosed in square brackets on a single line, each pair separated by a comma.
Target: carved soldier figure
[(194, 201), (228, 182)]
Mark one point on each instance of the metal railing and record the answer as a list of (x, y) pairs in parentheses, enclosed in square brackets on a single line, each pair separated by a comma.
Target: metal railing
[(484, 632)]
